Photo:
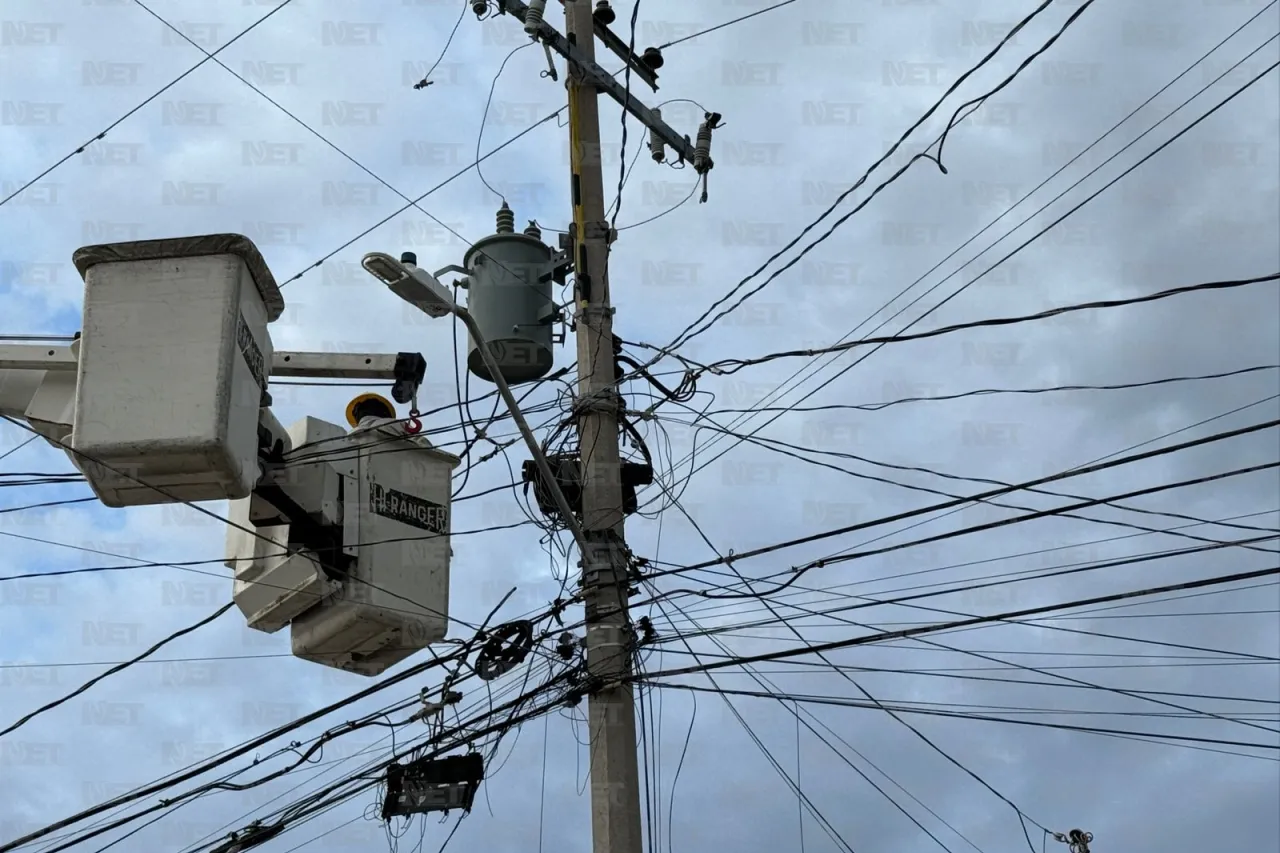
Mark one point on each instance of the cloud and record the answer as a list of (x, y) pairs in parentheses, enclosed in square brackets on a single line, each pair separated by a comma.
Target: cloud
[(811, 97)]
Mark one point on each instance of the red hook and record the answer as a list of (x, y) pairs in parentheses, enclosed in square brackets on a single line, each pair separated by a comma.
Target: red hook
[(414, 425)]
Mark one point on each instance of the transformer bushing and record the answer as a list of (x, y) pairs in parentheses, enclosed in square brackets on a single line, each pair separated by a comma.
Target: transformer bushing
[(509, 293)]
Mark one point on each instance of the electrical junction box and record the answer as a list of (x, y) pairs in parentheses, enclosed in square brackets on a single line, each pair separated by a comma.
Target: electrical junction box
[(393, 599), (173, 367)]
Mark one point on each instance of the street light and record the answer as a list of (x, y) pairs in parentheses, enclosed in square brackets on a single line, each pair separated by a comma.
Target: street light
[(424, 291)]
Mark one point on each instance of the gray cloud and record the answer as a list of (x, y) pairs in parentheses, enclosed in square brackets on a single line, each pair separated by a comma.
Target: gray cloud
[(811, 97)]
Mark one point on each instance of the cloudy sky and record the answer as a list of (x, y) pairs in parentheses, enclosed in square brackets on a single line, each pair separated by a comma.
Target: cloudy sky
[(812, 94)]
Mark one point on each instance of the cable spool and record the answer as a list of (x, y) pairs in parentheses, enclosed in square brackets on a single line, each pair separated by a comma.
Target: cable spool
[(657, 148), (505, 649), (533, 17)]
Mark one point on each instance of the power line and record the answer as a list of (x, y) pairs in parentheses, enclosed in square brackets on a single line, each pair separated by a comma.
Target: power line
[(875, 407), (1062, 511), (1075, 472), (851, 703), (731, 366), (102, 134), (684, 336), (320, 136), (977, 620), (117, 668), (1022, 246), (834, 594), (726, 24), (426, 78), (230, 755)]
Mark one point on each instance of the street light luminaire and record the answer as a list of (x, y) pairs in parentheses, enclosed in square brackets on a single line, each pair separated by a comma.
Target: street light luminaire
[(415, 286)]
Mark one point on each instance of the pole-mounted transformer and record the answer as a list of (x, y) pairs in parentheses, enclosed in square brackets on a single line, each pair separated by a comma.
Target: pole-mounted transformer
[(509, 282)]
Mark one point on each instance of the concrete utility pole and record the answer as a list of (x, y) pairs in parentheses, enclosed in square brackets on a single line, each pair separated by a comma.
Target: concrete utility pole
[(615, 776)]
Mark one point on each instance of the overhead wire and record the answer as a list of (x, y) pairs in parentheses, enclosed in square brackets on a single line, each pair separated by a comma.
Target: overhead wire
[(103, 133), (303, 124), (737, 20), (26, 718), (800, 797), (1090, 566), (460, 395), (1089, 464), (971, 716), (1008, 615), (939, 398), (1026, 243), (874, 602), (1075, 472), (764, 599), (799, 792), (684, 336), (426, 78), (834, 593), (731, 366), (239, 751), (794, 452)]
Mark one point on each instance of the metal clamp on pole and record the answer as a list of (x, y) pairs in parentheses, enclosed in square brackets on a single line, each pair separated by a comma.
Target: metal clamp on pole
[(599, 231)]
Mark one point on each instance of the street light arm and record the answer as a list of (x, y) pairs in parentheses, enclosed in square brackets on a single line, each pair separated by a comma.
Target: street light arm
[(539, 458)]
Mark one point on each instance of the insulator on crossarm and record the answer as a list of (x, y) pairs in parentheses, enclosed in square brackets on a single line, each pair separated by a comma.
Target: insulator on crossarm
[(604, 13), (506, 220), (657, 148), (533, 17)]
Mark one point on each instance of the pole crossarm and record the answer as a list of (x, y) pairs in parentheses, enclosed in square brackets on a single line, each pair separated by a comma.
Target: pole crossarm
[(605, 82)]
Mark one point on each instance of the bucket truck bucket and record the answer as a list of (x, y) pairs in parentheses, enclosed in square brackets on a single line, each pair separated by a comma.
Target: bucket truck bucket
[(173, 368)]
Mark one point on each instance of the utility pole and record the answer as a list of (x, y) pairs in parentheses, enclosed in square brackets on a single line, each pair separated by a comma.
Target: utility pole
[(615, 776), (610, 640)]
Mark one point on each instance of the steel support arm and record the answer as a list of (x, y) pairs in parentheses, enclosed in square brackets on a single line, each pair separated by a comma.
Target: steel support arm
[(312, 365)]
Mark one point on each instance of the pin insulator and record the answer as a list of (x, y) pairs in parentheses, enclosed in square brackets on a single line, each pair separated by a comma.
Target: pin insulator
[(533, 17), (604, 13)]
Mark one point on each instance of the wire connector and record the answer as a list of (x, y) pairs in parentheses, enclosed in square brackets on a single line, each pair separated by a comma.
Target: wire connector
[(1077, 840)]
